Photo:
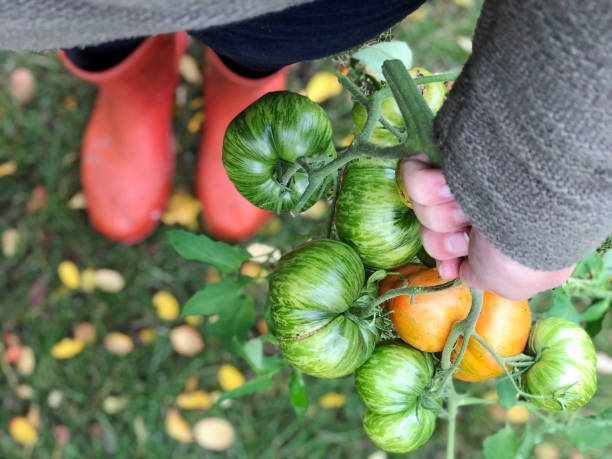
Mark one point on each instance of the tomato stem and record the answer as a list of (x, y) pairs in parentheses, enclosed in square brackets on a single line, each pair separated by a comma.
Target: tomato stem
[(415, 290), (415, 111), (453, 405)]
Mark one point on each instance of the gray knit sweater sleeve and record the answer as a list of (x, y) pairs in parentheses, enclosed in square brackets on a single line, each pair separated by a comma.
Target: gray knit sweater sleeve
[(527, 130)]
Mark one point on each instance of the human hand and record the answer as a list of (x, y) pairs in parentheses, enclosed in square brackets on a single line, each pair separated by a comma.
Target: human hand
[(460, 250)]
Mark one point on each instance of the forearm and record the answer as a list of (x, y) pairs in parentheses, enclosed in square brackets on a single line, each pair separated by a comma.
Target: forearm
[(526, 132)]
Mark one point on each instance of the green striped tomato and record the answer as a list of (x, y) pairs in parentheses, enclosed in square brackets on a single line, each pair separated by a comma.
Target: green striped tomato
[(310, 291), (371, 216), (264, 141), (565, 370), (390, 385)]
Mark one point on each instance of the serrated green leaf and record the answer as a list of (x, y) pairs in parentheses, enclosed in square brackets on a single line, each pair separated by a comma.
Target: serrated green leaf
[(506, 393), (502, 445), (596, 311), (225, 257), (374, 56), (253, 351), (592, 431), (253, 386), (297, 393), (214, 298), (591, 265), (234, 322), (563, 307)]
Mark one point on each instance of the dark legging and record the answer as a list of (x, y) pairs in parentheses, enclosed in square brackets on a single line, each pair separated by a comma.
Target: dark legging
[(261, 45)]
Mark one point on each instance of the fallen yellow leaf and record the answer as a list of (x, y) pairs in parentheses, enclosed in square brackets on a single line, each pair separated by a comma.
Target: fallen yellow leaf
[(195, 122), (230, 377), (78, 201), (23, 85), (27, 361), (251, 269), (212, 275), (38, 200), (215, 434), (86, 332), (332, 400), (69, 274), (177, 427), (196, 400), (88, 280), (8, 168), (166, 305), (113, 404), (323, 86), (183, 209), (109, 280), (189, 69), (147, 336), (22, 431), (70, 102), (118, 343), (10, 242), (186, 340), (191, 383), (24, 391), (67, 348)]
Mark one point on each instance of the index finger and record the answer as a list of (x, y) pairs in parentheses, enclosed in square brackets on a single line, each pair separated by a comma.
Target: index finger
[(424, 184)]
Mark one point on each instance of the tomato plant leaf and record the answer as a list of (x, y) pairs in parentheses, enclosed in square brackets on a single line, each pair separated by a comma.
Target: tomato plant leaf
[(592, 431), (297, 393), (253, 386), (235, 321), (506, 393), (215, 298), (592, 265), (502, 445), (596, 311), (563, 307), (594, 327), (253, 352), (225, 257), (374, 56)]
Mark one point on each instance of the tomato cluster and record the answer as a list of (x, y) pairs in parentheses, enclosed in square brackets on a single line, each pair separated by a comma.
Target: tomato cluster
[(324, 310)]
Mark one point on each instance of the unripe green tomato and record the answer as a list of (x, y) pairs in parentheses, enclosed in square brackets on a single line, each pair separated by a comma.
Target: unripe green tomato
[(391, 384), (371, 216), (265, 140), (374, 213), (310, 290), (565, 372)]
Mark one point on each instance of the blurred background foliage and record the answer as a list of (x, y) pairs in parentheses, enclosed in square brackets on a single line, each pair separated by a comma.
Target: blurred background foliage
[(112, 398)]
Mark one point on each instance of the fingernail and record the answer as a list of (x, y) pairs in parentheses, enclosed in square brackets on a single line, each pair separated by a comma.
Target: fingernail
[(460, 217), (445, 192), (457, 243)]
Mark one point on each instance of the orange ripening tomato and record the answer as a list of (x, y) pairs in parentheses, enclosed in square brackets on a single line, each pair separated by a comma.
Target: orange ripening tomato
[(427, 322), (504, 325)]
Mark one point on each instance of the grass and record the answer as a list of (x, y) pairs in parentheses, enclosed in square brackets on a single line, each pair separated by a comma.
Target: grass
[(44, 139)]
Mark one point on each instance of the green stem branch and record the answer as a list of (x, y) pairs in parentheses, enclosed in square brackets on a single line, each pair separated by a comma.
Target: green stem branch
[(414, 291)]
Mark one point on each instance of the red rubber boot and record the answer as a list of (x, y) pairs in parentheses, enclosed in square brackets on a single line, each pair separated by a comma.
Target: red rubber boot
[(227, 214), (127, 157)]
